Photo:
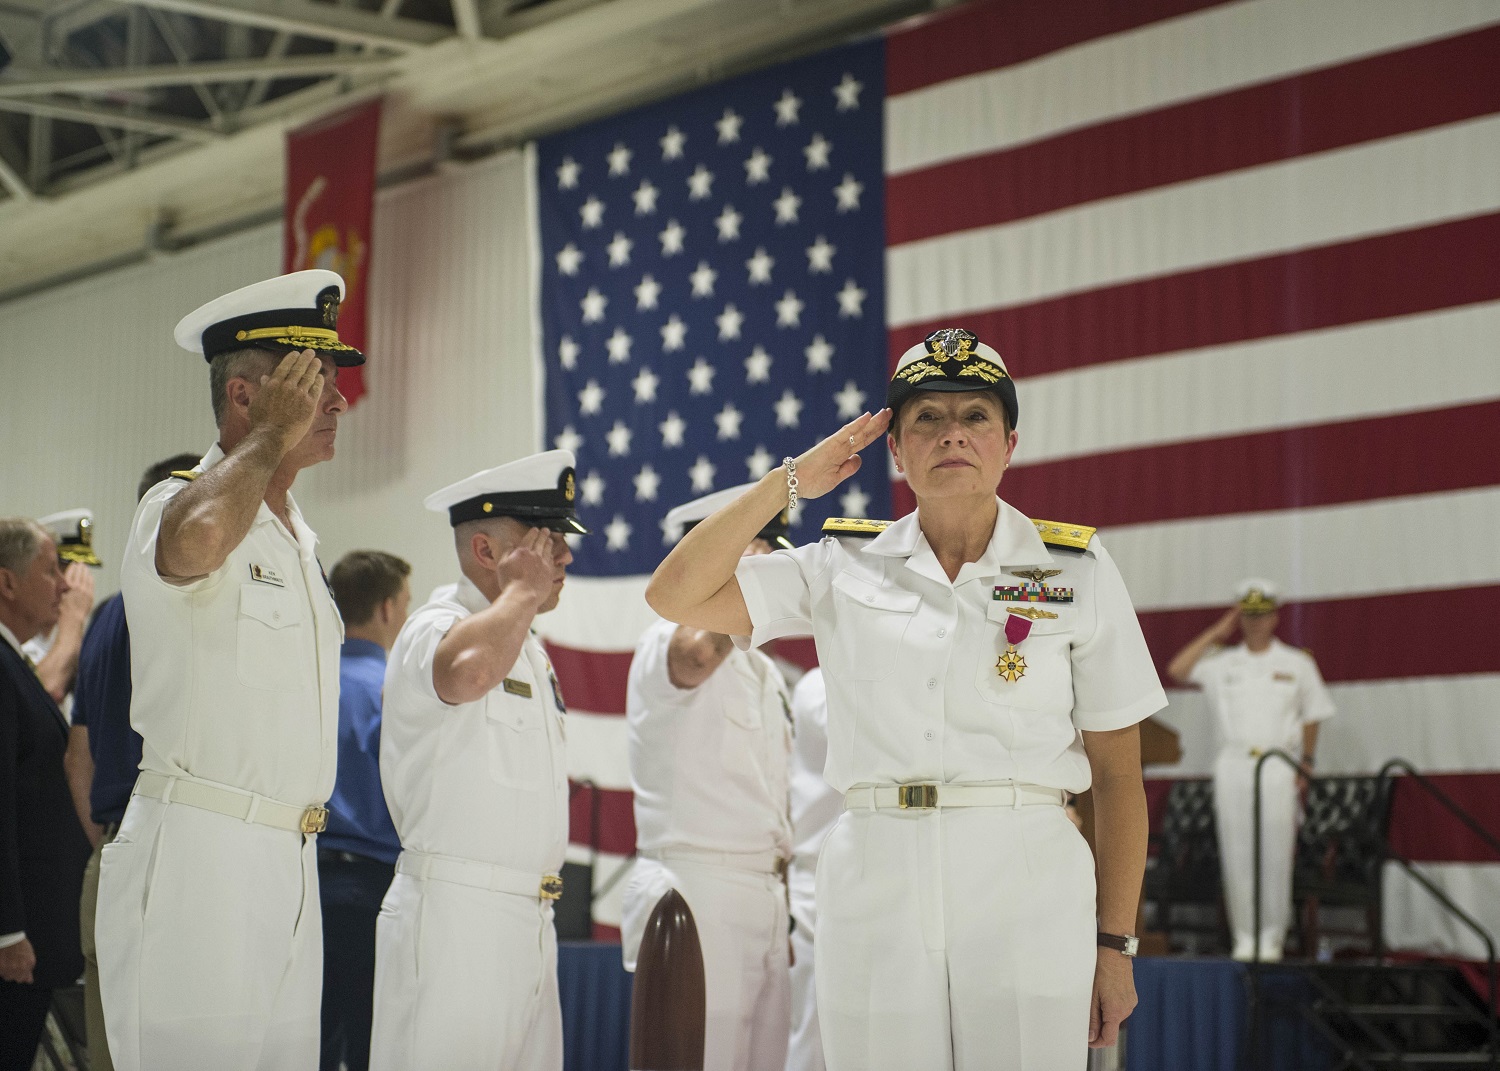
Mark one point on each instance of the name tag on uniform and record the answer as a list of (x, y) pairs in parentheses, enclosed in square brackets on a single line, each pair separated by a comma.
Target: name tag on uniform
[(264, 574), (1287, 677), (515, 687)]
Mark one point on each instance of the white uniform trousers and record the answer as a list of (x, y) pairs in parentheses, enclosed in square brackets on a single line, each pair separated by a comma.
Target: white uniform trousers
[(742, 927), (959, 939), (804, 1050), (465, 980), (1234, 811), (210, 943)]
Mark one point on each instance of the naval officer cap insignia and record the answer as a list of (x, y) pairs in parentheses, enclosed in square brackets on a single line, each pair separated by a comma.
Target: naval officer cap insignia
[(536, 490), (73, 532), (680, 519), (1257, 596), (952, 359), (299, 311)]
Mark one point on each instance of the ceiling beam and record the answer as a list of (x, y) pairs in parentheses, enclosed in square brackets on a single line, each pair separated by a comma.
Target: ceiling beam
[(110, 79), (115, 118), (326, 21), (11, 179)]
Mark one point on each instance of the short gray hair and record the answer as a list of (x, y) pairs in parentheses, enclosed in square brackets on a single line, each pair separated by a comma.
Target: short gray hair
[(249, 363), (20, 539)]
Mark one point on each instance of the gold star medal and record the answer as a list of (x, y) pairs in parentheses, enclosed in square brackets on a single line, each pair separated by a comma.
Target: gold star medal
[(1012, 665)]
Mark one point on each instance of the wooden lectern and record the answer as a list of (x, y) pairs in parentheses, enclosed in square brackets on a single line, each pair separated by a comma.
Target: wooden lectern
[(668, 1004)]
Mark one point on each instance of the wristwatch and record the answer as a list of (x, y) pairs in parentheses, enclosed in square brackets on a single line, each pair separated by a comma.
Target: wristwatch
[(1125, 944)]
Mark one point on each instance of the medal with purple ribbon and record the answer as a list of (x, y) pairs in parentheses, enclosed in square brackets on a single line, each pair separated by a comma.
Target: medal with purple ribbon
[(1012, 666)]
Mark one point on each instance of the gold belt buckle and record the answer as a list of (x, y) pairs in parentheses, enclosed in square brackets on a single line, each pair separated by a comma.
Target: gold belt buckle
[(916, 797), (552, 887), (315, 820)]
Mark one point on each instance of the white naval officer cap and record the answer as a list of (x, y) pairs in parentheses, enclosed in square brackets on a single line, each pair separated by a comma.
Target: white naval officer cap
[(1256, 595), (536, 490), (952, 359), (73, 532), (682, 518), (299, 311)]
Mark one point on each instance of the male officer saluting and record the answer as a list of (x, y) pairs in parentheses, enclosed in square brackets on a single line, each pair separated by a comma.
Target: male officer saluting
[(209, 939), (710, 738), (474, 770)]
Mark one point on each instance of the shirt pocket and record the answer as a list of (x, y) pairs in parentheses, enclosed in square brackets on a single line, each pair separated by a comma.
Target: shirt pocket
[(517, 737), (1047, 684), (870, 621), (271, 642)]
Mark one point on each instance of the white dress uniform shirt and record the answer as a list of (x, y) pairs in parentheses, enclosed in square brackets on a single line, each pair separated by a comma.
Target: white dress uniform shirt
[(1262, 700), (708, 765)]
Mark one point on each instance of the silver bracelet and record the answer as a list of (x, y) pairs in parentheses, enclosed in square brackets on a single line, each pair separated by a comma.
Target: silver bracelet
[(790, 464)]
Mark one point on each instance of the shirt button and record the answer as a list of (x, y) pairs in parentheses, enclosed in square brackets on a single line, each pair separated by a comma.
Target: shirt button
[(931, 682), (869, 598), (275, 615), (929, 734), (942, 632)]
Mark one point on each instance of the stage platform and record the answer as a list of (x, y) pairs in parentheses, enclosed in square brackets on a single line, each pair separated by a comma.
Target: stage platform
[(1192, 1015)]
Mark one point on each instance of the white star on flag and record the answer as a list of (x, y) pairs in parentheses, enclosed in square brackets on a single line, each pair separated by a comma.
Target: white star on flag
[(672, 430), (646, 482), (850, 400), (819, 355), (568, 439), (729, 127), (568, 259), (851, 300), (760, 462), (760, 266), (672, 143), (847, 193), (788, 410), (617, 534), (673, 333), (590, 398), (618, 345), (671, 238), (618, 438), (728, 224), (701, 377), (854, 502), (729, 322), (593, 305), (619, 159), (728, 419), (787, 108), (567, 174), (646, 293), (702, 279), (645, 382), (788, 310), (592, 489), (758, 366), (619, 250), (847, 92), (567, 353), (786, 206), (700, 184), (645, 198), (820, 255), (757, 167), (817, 151), (592, 212), (702, 474)]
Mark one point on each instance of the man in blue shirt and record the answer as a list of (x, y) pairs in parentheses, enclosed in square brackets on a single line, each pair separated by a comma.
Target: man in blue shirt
[(104, 754), (357, 852)]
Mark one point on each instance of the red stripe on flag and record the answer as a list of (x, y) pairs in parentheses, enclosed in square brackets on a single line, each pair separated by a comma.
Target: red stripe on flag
[(1413, 271), (1425, 831), (984, 36), (1351, 461), (592, 681), (1355, 639), (1413, 89), (601, 818)]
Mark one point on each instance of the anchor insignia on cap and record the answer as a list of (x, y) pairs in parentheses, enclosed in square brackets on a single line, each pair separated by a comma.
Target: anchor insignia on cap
[(328, 301), (951, 344)]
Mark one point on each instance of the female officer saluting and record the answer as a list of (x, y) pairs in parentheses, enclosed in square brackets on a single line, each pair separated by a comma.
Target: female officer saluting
[(979, 665)]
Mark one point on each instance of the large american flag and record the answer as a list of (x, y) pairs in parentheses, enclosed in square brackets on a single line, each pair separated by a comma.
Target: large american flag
[(1240, 257)]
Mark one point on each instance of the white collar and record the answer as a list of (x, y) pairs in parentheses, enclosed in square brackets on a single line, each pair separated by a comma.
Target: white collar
[(10, 638), (469, 596), (1013, 542)]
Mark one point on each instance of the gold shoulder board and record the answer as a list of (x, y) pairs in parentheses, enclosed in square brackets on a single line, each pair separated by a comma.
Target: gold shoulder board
[(185, 474), (854, 526), (1062, 534)]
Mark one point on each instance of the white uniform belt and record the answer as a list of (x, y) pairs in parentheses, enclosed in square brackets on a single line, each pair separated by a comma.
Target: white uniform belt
[(233, 802), (477, 875), (927, 797), (753, 862)]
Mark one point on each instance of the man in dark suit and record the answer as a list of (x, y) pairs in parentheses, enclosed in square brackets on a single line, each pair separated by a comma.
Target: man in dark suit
[(42, 846)]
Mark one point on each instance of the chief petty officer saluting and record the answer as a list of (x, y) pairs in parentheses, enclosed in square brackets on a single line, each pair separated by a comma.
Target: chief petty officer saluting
[(979, 665), (209, 935)]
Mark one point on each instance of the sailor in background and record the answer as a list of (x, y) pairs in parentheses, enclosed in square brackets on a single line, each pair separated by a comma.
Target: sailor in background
[(1264, 694), (474, 768), (710, 736), (56, 652), (208, 928)]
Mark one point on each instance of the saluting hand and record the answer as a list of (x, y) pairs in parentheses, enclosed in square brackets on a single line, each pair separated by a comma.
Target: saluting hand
[(529, 568), (287, 400), (78, 600), (1223, 629), (836, 458)]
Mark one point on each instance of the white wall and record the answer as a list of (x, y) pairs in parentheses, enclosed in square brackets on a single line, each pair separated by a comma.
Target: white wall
[(92, 388)]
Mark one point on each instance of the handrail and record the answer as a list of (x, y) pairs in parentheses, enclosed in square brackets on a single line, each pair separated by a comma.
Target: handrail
[(1260, 762), (1442, 797)]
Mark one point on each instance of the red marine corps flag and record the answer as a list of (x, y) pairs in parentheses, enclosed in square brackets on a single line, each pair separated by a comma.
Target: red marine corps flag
[(330, 200)]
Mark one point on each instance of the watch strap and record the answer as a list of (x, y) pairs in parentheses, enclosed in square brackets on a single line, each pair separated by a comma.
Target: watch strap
[(1123, 944)]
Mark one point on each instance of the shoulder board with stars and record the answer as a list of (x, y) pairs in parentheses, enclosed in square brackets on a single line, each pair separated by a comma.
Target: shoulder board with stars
[(1064, 535), (855, 526), (184, 474)]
